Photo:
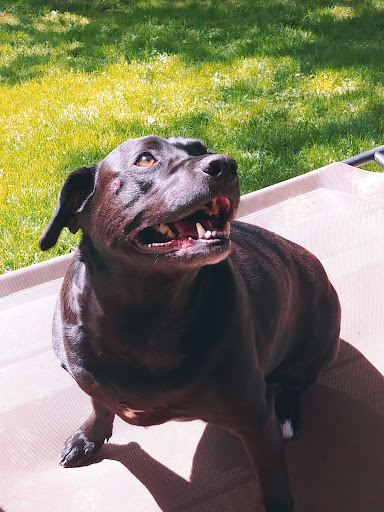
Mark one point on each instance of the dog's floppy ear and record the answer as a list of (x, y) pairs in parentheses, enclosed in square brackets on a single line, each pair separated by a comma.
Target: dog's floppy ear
[(74, 195)]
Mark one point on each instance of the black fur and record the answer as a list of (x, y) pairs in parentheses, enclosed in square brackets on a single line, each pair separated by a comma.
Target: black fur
[(213, 330)]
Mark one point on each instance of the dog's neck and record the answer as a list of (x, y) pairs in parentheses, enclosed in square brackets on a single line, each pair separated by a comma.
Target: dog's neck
[(145, 287)]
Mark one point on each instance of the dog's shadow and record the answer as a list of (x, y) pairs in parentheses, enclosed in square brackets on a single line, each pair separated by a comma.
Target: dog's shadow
[(335, 465), (219, 465)]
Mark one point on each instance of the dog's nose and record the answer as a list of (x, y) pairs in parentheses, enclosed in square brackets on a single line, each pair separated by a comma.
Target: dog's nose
[(219, 166)]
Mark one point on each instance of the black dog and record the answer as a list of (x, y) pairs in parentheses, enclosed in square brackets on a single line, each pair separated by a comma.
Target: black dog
[(161, 316)]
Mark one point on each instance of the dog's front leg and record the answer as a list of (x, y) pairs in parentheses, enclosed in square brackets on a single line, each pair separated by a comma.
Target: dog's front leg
[(83, 445), (263, 442)]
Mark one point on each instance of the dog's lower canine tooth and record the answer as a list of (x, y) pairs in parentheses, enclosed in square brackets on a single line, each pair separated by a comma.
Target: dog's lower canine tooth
[(200, 230)]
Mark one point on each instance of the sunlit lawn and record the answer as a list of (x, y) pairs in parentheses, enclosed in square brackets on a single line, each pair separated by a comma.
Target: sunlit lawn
[(282, 86)]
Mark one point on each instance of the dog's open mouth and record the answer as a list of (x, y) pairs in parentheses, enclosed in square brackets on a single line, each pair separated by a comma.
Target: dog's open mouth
[(208, 224)]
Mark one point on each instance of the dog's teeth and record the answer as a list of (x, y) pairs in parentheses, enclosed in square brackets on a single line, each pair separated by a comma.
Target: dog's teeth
[(214, 234), (170, 233), (200, 230), (163, 228), (208, 234), (227, 228)]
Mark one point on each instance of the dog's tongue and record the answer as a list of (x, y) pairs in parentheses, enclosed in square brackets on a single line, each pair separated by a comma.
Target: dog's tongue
[(186, 229)]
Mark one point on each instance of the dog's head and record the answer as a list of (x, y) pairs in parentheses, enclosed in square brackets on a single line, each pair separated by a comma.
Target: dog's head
[(170, 200)]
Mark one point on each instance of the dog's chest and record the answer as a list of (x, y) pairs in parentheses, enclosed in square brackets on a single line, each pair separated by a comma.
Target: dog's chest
[(129, 413), (150, 339), (154, 416), (150, 363)]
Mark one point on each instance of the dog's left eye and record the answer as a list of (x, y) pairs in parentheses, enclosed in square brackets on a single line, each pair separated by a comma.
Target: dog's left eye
[(145, 160)]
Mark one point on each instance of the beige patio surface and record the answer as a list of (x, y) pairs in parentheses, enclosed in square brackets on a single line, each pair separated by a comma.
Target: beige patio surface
[(337, 463)]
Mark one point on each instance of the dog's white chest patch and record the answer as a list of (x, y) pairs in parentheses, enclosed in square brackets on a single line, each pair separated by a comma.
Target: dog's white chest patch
[(127, 412)]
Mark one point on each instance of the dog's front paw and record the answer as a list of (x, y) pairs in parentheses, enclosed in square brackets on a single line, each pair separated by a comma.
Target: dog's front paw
[(78, 450)]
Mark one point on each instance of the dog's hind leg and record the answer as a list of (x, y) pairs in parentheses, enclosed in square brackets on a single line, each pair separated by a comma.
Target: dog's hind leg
[(251, 416), (288, 393), (287, 406), (289, 389), (263, 442), (83, 445)]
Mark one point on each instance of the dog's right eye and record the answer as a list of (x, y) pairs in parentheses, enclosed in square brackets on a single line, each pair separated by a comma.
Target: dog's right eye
[(145, 160)]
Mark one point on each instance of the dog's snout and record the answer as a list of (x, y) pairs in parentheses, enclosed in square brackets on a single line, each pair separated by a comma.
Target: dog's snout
[(220, 166)]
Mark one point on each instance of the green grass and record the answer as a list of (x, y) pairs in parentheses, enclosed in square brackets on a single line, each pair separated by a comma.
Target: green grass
[(282, 86)]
